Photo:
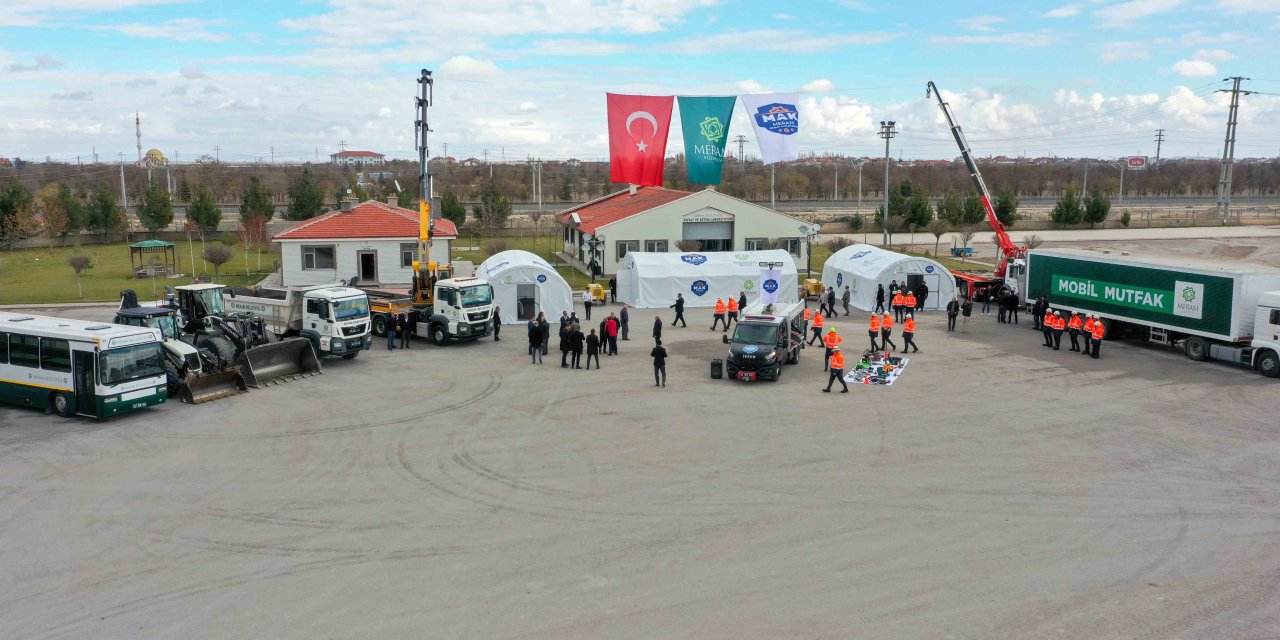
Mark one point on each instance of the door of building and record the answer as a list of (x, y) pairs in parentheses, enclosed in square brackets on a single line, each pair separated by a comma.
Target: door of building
[(526, 301), (368, 261)]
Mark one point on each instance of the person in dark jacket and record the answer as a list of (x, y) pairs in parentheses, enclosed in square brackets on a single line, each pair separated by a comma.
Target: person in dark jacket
[(576, 342), (657, 327), (742, 301), (545, 327), (613, 288), (966, 310), (879, 299), (953, 310), (535, 341), (922, 294), (593, 349), (679, 307), (406, 330), (659, 355), (392, 322), (831, 301), (497, 323), (564, 318), (1037, 313), (623, 319), (844, 299), (566, 345)]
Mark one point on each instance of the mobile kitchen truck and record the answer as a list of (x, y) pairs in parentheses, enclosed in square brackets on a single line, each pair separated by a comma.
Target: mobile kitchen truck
[(1214, 310)]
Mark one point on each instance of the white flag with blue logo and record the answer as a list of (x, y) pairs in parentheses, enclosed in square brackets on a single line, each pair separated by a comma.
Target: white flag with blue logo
[(776, 119), (770, 282)]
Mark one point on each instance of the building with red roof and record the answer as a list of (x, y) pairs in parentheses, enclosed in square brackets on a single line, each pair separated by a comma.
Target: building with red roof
[(354, 158), (373, 241), (655, 219)]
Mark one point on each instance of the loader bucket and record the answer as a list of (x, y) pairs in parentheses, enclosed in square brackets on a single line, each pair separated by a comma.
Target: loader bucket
[(212, 386), (277, 362)]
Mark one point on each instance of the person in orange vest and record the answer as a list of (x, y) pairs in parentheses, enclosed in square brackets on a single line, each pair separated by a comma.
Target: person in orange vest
[(1088, 332), (874, 331), (1046, 328), (733, 312), (718, 318), (1099, 332), (898, 301), (817, 327), (830, 341), (808, 315), (837, 371), (908, 334), (886, 330), (1073, 327), (909, 302), (1059, 325)]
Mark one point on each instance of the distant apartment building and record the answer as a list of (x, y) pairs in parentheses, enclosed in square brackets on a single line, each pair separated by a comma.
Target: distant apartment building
[(353, 158)]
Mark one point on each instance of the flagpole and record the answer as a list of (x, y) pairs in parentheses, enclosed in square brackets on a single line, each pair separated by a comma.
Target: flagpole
[(773, 201)]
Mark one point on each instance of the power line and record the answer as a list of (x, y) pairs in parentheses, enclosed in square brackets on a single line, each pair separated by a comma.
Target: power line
[(1229, 148)]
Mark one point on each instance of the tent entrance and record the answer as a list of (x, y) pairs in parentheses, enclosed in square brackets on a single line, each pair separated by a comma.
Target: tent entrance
[(914, 280), (526, 301)]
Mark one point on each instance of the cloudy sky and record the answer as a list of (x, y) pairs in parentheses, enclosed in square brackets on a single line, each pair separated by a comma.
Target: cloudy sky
[(526, 78)]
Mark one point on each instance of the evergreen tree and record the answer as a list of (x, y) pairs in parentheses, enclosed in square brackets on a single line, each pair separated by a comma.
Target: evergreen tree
[(155, 212), (919, 213), (451, 207), (1096, 207), (72, 208), (203, 212), (14, 199), (103, 212), (972, 211), (184, 190), (951, 208), (306, 198), (494, 208), (1068, 209), (1006, 206), (255, 201)]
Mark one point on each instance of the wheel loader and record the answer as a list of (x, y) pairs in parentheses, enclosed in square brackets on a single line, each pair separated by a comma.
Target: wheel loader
[(194, 375)]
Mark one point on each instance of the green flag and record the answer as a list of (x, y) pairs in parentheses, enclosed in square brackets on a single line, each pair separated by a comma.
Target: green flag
[(705, 120)]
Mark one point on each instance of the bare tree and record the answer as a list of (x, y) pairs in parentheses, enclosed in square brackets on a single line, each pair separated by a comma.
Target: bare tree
[(895, 224), (189, 228), (218, 255), (1032, 241), (689, 245), (966, 233), (769, 244), (79, 262), (536, 217), (494, 246), (837, 243), (938, 227)]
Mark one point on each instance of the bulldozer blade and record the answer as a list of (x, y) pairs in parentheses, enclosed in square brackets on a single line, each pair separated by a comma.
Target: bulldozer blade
[(277, 362), (212, 386)]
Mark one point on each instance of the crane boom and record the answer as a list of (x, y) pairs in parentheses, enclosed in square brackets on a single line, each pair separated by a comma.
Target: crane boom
[(1008, 249)]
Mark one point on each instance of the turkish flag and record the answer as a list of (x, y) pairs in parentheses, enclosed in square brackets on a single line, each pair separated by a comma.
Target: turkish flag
[(638, 138)]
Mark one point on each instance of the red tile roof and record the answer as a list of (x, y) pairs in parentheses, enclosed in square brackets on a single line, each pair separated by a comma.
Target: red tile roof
[(354, 154), (370, 219), (619, 206)]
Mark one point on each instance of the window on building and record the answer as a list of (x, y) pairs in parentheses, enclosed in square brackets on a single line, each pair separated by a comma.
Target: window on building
[(55, 355), (625, 246), (792, 245), (408, 253), (755, 244), (717, 245), (655, 246), (24, 351), (318, 257)]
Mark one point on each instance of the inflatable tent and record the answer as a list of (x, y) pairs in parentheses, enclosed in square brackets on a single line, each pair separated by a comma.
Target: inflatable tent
[(524, 284), (652, 280), (862, 267)]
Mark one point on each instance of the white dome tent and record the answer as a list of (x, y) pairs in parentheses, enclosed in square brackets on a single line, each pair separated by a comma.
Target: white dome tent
[(863, 266), (524, 284), (651, 280)]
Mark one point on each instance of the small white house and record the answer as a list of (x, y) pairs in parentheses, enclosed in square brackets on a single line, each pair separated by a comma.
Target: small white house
[(354, 158), (863, 267), (524, 284), (372, 241)]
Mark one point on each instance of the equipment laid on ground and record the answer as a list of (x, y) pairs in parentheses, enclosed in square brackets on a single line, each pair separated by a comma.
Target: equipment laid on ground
[(862, 267), (766, 337), (334, 318), (1221, 310), (1011, 255), (242, 337), (78, 368), (878, 367), (193, 375)]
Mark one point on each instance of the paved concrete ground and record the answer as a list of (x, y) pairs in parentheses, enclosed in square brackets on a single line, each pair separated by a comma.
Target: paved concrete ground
[(998, 490)]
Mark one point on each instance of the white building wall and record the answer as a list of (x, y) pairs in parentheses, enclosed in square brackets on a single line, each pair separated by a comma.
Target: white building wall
[(667, 223), (347, 263)]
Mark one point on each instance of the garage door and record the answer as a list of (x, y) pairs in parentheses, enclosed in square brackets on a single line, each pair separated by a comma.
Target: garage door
[(708, 230)]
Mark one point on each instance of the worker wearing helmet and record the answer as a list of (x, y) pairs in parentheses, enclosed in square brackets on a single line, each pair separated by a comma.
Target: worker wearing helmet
[(1088, 332), (874, 331), (1099, 332), (898, 301), (909, 334), (808, 315), (817, 327), (733, 312), (837, 370), (1046, 328), (718, 316), (909, 302), (886, 330), (830, 341), (1059, 325), (1073, 327)]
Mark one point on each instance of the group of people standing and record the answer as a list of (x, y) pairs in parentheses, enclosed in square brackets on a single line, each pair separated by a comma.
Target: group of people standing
[(1052, 324), (827, 301), (574, 342)]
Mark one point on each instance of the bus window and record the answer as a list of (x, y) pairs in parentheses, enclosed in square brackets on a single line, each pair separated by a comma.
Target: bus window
[(130, 363), (24, 351), (4, 348), (55, 355)]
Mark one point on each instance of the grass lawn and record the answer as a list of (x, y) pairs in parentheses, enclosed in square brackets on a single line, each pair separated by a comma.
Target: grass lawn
[(35, 276)]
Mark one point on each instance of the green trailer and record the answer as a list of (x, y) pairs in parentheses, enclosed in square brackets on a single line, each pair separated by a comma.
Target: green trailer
[(1221, 310)]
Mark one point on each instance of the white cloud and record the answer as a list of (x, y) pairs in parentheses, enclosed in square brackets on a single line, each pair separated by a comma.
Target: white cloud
[(780, 40), (819, 86), (42, 62), (191, 72), (252, 104), (469, 66), (750, 86), (1123, 50), (179, 30), (1195, 68), (1199, 38), (80, 94), (578, 47), (1213, 55), (1018, 39), (140, 82), (1065, 11), (1125, 13), (856, 5), (527, 107), (32, 14), (980, 23), (1249, 6), (522, 123), (783, 16), (384, 112)]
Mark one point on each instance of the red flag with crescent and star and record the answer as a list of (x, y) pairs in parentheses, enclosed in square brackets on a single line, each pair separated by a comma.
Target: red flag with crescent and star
[(638, 138)]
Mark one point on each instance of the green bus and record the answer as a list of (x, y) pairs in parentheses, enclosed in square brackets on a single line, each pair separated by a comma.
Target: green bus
[(73, 367)]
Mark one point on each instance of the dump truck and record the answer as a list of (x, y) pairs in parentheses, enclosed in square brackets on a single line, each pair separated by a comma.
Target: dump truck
[(193, 375), (460, 309), (242, 337), (333, 317), (1228, 311), (767, 337)]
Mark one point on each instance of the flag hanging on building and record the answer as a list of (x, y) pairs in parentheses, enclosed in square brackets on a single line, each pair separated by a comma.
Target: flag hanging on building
[(705, 122), (776, 120), (638, 127), (770, 280)]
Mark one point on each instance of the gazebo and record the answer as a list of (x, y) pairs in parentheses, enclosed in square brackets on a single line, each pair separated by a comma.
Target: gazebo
[(143, 257)]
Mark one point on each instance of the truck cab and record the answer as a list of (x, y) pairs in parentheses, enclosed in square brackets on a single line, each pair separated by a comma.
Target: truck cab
[(463, 310), (1266, 335), (336, 319), (767, 337)]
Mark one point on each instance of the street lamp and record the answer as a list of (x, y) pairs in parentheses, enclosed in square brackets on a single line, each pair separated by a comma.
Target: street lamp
[(810, 232), (887, 131)]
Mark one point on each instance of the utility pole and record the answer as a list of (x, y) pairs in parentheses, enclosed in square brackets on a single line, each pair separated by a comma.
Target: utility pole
[(1159, 141), (888, 131), (217, 153), (421, 129), (486, 162), (835, 192), (741, 140), (273, 155), (859, 185), (1229, 147), (124, 195), (342, 144)]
